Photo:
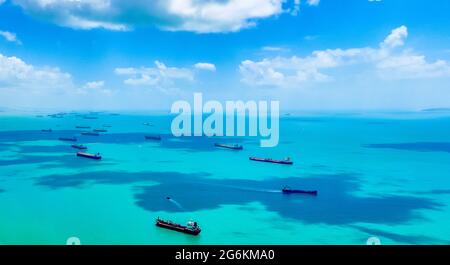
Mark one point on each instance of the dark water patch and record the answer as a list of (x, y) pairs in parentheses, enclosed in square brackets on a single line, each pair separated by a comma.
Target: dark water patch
[(2, 190), (404, 239), (306, 119), (32, 159), (109, 177), (417, 146), (194, 144), (335, 203), (200, 143), (377, 122), (69, 161), (44, 149), (34, 135), (431, 192)]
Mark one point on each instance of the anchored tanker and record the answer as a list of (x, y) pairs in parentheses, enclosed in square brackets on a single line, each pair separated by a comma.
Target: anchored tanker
[(288, 190), (90, 133), (79, 146), (72, 139), (191, 228), (286, 161), (153, 137), (91, 156), (230, 146)]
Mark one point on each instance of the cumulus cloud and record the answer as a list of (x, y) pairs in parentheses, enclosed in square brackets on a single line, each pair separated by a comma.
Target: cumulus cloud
[(93, 87), (396, 38), (201, 16), (205, 66), (160, 76), (313, 2), (273, 49), (387, 60), (94, 84), (18, 75), (10, 36)]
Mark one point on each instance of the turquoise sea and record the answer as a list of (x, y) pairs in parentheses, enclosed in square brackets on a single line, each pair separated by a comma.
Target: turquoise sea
[(378, 174)]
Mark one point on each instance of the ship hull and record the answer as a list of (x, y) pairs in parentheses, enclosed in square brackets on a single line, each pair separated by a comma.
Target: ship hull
[(271, 161), (179, 228), (79, 147), (313, 192), (68, 139), (155, 138), (95, 157), (90, 134), (229, 147)]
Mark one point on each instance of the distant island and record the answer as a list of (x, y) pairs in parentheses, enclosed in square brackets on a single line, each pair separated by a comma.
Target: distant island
[(437, 110)]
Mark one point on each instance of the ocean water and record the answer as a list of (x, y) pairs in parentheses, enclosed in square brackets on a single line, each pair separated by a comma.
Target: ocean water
[(382, 175)]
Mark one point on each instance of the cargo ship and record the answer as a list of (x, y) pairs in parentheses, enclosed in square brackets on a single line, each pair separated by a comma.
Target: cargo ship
[(46, 130), (286, 161), (288, 190), (229, 146), (90, 133), (67, 139), (79, 146), (91, 156), (153, 137), (100, 130), (191, 228)]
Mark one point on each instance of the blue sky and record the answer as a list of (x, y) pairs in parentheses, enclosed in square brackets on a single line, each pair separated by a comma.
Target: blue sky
[(309, 54)]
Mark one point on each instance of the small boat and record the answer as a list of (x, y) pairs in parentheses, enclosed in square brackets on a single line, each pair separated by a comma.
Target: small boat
[(79, 146), (147, 124), (67, 139), (47, 130), (191, 228), (288, 190), (230, 146), (286, 161), (100, 130), (90, 133), (90, 117), (153, 137), (82, 127), (91, 156)]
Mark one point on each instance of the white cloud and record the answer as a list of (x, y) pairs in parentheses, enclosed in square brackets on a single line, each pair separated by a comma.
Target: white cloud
[(16, 74), (273, 49), (205, 66), (295, 8), (311, 37), (396, 38), (9, 36), (159, 76), (313, 2), (386, 60), (94, 84), (201, 16), (93, 87), (374, 0), (2, 1)]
